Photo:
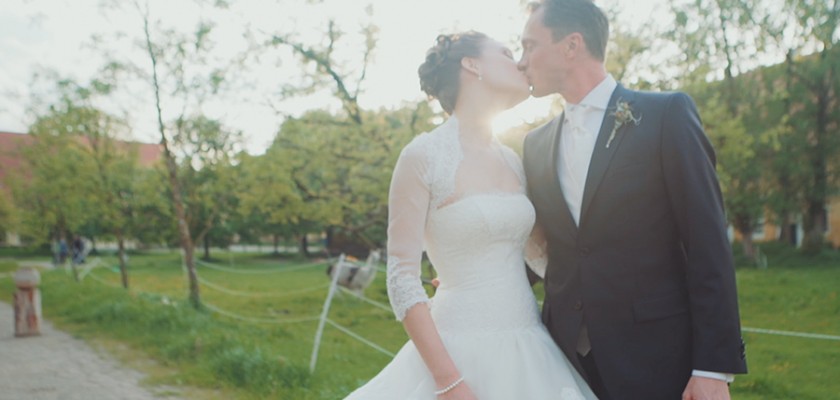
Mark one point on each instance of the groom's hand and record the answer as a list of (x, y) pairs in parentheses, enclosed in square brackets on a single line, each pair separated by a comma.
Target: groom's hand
[(700, 388)]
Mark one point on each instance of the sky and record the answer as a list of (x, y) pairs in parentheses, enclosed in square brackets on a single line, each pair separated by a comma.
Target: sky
[(56, 35)]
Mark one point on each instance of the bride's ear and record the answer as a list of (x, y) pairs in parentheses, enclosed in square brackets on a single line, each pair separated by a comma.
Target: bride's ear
[(471, 65)]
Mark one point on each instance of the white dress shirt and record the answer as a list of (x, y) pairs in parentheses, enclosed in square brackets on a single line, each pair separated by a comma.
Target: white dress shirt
[(577, 142), (581, 125)]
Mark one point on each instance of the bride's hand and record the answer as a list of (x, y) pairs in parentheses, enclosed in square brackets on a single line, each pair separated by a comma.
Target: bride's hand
[(460, 392)]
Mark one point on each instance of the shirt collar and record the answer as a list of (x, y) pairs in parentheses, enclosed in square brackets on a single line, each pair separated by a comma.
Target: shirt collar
[(599, 97)]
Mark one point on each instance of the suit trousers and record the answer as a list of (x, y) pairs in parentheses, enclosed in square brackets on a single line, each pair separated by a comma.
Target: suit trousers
[(593, 378)]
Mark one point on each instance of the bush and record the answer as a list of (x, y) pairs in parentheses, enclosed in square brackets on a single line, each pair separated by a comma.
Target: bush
[(176, 333), (253, 369)]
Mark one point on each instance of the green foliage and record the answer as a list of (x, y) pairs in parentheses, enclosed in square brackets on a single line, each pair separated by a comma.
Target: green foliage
[(326, 171), (740, 169), (253, 369), (8, 214), (796, 293), (80, 176), (207, 177), (152, 219), (774, 127), (629, 51), (58, 192)]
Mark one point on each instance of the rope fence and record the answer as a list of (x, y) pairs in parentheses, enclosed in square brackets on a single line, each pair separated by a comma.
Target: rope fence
[(89, 267), (791, 334), (360, 338), (262, 271), (104, 282), (260, 294), (376, 304), (324, 320), (334, 288)]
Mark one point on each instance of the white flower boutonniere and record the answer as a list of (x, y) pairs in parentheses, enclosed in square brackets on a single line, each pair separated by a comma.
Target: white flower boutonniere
[(623, 115)]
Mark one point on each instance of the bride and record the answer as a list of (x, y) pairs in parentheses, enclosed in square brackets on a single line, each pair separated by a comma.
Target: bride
[(460, 194)]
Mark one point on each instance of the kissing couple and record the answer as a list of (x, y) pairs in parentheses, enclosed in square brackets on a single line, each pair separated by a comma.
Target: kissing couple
[(615, 205)]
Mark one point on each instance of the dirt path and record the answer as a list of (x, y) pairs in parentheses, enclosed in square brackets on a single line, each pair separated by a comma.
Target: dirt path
[(56, 366)]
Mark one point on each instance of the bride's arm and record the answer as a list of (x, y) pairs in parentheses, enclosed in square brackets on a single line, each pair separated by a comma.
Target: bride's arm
[(420, 327), (536, 255), (408, 204)]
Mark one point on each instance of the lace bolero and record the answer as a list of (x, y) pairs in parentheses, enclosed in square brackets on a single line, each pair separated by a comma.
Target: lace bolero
[(424, 180)]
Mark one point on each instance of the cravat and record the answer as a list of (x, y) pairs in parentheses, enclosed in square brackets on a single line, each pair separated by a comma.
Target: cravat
[(575, 118)]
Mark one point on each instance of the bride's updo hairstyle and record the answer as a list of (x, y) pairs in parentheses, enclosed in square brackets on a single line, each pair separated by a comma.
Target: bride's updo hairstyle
[(440, 73)]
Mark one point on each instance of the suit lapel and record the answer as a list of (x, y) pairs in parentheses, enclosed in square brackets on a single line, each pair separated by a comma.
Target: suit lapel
[(564, 214), (602, 155)]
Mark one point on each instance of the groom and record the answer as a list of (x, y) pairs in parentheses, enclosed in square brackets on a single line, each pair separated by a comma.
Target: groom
[(640, 288)]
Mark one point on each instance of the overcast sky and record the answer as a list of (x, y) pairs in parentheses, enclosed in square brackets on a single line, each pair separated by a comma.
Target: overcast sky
[(55, 35)]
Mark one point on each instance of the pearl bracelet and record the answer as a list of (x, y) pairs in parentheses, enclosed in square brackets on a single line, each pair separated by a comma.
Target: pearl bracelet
[(450, 387)]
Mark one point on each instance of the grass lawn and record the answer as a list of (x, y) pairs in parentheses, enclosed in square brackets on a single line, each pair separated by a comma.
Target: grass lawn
[(251, 360), (802, 300)]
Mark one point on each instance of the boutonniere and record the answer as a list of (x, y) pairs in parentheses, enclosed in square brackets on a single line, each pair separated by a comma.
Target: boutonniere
[(623, 115)]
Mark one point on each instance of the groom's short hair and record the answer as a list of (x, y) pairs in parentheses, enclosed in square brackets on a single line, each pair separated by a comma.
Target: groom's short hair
[(564, 17)]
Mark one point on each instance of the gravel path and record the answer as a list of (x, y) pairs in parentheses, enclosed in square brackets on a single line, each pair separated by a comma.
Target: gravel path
[(55, 366)]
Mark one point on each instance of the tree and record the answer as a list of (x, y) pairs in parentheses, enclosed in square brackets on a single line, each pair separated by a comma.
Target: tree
[(327, 173), (8, 220), (115, 167), (717, 38), (805, 87), (207, 176), (152, 219), (103, 172), (56, 187), (631, 51), (181, 75), (114, 163), (351, 200), (739, 170), (815, 99)]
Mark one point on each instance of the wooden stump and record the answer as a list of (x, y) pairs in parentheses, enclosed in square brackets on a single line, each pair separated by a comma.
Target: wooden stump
[(27, 312), (27, 301)]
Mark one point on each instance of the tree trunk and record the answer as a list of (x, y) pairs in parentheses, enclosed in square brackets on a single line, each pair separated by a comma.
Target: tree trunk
[(276, 240), (748, 245), (56, 249), (785, 229), (303, 247), (814, 236), (329, 241), (817, 198), (121, 256), (206, 248), (744, 226), (175, 186), (69, 246), (93, 249)]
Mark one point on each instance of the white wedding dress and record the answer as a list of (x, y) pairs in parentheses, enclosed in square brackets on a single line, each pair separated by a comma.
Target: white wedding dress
[(475, 222)]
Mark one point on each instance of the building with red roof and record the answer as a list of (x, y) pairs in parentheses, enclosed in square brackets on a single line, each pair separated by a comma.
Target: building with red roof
[(12, 162)]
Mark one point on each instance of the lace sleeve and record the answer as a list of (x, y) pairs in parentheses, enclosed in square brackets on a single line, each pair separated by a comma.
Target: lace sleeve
[(536, 255), (408, 204)]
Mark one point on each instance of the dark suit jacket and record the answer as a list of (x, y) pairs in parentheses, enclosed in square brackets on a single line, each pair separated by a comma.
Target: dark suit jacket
[(649, 269)]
